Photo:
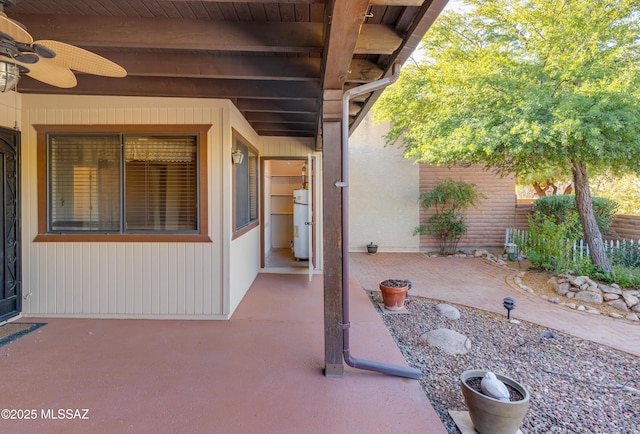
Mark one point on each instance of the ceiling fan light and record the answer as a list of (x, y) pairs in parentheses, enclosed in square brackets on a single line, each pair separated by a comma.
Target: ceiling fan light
[(9, 76)]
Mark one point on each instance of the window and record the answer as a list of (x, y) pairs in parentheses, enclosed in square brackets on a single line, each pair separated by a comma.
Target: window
[(125, 184), (245, 186)]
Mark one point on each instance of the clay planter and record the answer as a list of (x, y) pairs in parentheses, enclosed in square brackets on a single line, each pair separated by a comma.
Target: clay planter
[(489, 415), (394, 291)]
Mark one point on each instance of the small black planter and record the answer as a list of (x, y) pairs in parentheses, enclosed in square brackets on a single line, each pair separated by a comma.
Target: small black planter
[(372, 248)]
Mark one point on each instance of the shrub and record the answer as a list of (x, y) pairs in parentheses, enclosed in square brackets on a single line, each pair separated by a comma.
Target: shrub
[(549, 245), (625, 255), (449, 199), (560, 207)]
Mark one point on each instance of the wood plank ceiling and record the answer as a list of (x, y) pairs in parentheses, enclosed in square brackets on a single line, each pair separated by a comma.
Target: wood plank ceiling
[(274, 60)]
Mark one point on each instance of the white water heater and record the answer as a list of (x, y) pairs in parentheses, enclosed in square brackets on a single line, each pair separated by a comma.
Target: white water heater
[(300, 227)]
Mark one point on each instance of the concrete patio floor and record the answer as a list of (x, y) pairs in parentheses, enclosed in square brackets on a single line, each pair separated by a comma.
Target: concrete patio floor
[(260, 372)]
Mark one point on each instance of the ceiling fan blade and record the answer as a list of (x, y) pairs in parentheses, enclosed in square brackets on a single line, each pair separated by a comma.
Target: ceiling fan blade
[(51, 73), (79, 59), (15, 30)]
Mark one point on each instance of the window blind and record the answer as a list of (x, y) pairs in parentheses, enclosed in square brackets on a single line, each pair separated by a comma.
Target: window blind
[(84, 179), (161, 183)]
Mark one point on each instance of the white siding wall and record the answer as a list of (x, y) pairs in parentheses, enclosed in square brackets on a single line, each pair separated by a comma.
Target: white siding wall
[(158, 280), (242, 257), (10, 109), (383, 192), (286, 147)]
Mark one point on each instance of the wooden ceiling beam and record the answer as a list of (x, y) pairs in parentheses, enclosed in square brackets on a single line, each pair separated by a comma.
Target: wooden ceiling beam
[(377, 40), (282, 126), (247, 106), (285, 133), (165, 33), (397, 2), (363, 71), (289, 118), (234, 66), (345, 20), (212, 66), (251, 1), (179, 87)]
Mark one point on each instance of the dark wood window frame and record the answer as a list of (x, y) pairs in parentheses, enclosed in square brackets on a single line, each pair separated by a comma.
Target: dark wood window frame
[(237, 232), (44, 130)]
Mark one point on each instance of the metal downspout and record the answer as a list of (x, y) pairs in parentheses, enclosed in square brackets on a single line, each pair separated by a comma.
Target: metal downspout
[(384, 368)]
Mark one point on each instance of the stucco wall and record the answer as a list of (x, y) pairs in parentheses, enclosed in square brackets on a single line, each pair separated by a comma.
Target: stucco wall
[(383, 192), (487, 222), (148, 280)]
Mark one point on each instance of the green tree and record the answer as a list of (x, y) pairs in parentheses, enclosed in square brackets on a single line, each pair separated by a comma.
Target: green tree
[(625, 190), (525, 85)]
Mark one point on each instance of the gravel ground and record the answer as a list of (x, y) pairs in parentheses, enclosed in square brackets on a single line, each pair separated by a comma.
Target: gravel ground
[(576, 386)]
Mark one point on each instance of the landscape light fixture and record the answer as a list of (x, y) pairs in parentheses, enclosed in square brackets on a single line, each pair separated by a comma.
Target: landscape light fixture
[(509, 304)]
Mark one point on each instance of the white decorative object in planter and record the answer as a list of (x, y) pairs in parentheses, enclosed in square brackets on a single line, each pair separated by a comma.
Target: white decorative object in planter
[(490, 415)]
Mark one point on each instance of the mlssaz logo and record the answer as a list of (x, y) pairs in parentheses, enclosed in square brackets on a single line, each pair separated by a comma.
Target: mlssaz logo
[(65, 413)]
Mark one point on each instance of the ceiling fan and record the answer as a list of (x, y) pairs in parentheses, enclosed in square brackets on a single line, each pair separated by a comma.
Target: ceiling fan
[(50, 62)]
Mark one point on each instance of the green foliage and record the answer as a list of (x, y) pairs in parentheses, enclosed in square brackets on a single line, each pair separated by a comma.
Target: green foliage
[(449, 199), (524, 86), (562, 207), (625, 277), (622, 189), (549, 244), (626, 255)]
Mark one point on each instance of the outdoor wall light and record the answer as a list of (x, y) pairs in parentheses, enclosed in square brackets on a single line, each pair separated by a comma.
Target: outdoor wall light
[(237, 156)]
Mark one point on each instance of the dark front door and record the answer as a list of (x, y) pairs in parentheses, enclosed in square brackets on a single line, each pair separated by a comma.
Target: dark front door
[(10, 266)]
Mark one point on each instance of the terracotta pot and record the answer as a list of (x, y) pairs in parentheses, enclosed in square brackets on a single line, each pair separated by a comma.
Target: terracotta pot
[(393, 298), (489, 415)]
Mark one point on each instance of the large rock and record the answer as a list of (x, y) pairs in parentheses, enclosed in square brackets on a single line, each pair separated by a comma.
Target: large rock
[(582, 282), (562, 288), (631, 300), (449, 341), (609, 297), (608, 289), (589, 297), (448, 311), (619, 304)]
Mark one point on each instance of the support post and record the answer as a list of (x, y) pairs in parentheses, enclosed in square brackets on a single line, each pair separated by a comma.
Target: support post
[(332, 228)]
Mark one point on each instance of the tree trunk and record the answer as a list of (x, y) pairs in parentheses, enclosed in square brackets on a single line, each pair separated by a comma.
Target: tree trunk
[(539, 190), (592, 234), (568, 189)]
